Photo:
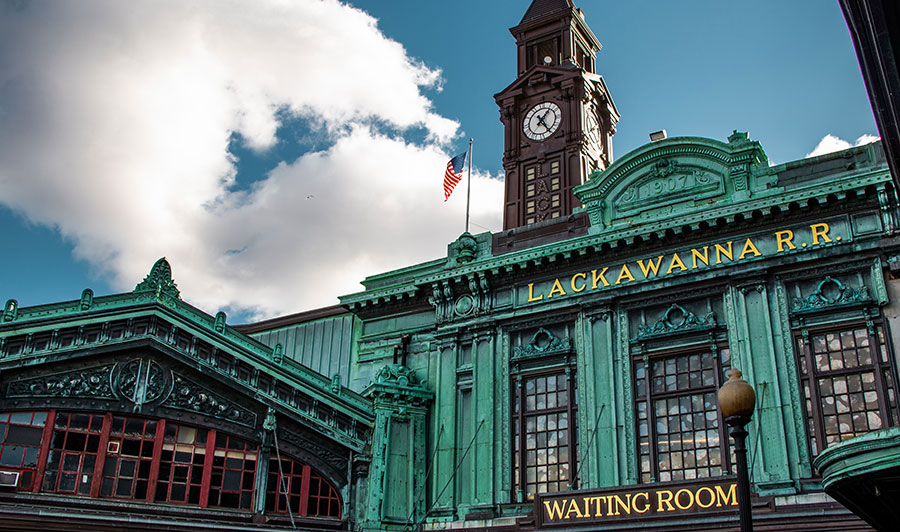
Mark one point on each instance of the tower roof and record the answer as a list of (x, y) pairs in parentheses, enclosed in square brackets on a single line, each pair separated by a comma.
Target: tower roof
[(542, 8)]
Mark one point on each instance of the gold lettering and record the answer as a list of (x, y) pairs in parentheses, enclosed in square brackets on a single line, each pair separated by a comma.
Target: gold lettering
[(696, 255), (667, 500), (819, 230), (720, 250), (599, 277), (557, 289), (556, 511), (621, 504), (587, 512), (749, 247), (531, 294), (722, 497), (676, 263), (625, 273), (573, 507), (576, 276), (599, 512), (646, 497), (712, 497), (785, 237), (650, 267), (600, 504), (678, 498)]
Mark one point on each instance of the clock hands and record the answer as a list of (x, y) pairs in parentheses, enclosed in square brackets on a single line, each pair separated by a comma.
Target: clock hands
[(541, 119)]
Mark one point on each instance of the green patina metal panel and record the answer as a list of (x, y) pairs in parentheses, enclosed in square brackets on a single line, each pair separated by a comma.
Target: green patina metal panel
[(324, 346)]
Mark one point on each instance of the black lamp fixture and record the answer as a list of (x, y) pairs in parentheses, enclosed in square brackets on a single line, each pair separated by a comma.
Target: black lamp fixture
[(736, 402)]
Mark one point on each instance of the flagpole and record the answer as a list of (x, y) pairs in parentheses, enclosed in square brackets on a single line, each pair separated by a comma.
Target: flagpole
[(469, 186)]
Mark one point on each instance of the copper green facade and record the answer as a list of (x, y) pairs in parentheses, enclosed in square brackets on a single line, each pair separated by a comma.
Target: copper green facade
[(558, 375), (727, 276)]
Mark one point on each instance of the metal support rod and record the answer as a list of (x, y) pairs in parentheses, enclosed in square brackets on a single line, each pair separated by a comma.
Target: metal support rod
[(469, 186), (739, 435)]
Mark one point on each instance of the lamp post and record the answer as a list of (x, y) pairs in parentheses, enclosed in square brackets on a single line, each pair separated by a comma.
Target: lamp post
[(736, 402)]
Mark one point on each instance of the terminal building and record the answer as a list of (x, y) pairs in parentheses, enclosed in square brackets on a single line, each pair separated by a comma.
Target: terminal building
[(558, 375)]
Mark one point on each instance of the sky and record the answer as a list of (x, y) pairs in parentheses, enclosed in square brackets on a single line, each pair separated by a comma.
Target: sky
[(278, 152)]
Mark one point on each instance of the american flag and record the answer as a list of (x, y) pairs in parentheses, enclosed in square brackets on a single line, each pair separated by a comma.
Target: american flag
[(453, 174)]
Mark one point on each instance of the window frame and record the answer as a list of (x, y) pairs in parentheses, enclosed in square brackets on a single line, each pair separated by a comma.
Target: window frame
[(813, 406), (518, 423), (715, 347), (111, 444)]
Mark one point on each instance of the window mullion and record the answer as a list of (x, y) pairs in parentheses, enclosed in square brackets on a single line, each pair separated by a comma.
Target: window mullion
[(207, 466), (304, 492), (154, 463), (572, 429), (520, 485), (651, 419), (97, 476), (46, 438)]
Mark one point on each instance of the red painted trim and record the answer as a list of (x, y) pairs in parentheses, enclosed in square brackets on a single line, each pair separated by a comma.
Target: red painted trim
[(207, 467), (100, 461), (304, 492), (154, 464), (46, 437)]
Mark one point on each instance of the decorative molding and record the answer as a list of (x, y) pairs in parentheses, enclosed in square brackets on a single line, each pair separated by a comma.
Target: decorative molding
[(159, 281), (543, 343), (89, 382), (141, 381), (676, 320), (830, 293), (398, 385), (190, 396), (10, 310)]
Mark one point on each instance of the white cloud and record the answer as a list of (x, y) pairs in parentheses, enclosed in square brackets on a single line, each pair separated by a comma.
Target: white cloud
[(830, 143), (115, 120)]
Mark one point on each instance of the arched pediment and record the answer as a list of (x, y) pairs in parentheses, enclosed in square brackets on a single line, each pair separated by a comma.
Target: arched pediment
[(676, 177)]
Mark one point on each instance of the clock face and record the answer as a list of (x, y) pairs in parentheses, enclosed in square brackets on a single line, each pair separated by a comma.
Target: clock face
[(542, 120), (593, 128)]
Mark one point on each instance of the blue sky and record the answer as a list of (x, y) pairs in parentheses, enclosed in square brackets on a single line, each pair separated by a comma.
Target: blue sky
[(277, 154)]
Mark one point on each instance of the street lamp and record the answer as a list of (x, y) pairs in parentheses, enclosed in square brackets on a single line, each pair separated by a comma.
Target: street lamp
[(736, 401)]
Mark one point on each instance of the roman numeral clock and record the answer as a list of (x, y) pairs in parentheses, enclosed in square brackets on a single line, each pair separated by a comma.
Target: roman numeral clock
[(542, 121), (558, 117)]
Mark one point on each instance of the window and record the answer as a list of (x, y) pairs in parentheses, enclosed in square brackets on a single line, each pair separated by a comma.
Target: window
[(543, 433), (73, 453), (848, 385), (543, 53), (20, 443), (679, 434), (129, 458), (233, 472), (181, 464), (309, 494), (152, 460)]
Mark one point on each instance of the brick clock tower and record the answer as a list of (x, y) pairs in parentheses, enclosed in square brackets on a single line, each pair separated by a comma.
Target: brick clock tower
[(558, 116)]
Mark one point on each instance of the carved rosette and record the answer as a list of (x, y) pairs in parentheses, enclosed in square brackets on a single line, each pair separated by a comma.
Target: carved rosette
[(141, 381)]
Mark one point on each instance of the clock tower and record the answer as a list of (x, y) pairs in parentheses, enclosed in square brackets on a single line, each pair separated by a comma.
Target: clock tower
[(558, 117)]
